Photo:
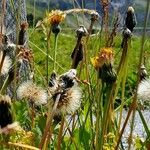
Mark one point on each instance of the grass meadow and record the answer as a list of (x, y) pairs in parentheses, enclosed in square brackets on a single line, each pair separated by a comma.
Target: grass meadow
[(65, 106)]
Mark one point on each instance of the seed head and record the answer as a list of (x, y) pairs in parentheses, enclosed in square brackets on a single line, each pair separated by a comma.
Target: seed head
[(144, 91), (70, 101), (33, 93), (70, 93)]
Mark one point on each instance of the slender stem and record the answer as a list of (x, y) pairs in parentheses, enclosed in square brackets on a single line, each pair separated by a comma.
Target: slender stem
[(60, 133), (139, 70), (47, 132), (106, 118), (133, 105), (47, 53), (55, 51)]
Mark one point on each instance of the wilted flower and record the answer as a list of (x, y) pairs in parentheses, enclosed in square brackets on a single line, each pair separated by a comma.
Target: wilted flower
[(94, 16), (130, 21), (6, 63), (81, 31), (55, 17), (104, 56), (103, 64), (32, 92), (22, 33), (77, 55), (144, 91), (6, 117), (25, 53)]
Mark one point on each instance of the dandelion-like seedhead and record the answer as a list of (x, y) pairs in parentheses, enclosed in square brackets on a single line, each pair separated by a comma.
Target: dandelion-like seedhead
[(6, 63), (144, 91), (105, 56), (28, 90), (70, 93), (55, 17), (70, 101)]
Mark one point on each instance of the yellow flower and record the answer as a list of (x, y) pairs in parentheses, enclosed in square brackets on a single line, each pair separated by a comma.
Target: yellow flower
[(104, 56), (55, 17)]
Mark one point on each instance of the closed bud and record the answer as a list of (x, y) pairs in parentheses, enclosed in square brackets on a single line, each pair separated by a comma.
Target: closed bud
[(56, 28)]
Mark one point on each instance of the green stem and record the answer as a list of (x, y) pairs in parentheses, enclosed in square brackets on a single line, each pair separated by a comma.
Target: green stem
[(47, 53), (106, 116), (55, 52)]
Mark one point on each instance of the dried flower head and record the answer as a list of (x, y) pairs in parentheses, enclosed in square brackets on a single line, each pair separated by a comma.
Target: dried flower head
[(81, 31), (144, 91), (70, 101), (5, 111), (104, 56), (6, 63), (94, 16), (55, 17), (130, 20), (33, 93), (25, 53), (143, 73), (70, 93), (24, 25)]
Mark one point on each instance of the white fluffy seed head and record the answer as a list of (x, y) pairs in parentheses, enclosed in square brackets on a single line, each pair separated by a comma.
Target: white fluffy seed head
[(144, 91), (6, 64), (30, 91), (131, 9), (70, 101)]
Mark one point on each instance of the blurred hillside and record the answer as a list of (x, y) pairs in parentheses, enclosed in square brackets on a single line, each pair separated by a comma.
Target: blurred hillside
[(115, 5)]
